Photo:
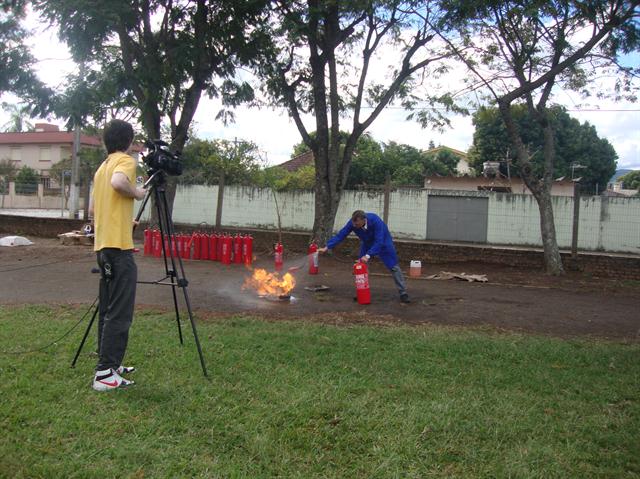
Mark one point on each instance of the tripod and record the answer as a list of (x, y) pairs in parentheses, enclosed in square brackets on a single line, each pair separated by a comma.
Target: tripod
[(174, 277)]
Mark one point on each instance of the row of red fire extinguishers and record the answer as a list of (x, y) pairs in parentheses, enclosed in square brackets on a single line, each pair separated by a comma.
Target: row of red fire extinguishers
[(239, 249), (201, 246)]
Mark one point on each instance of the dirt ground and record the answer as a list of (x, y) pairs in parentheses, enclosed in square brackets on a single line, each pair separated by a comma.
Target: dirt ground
[(512, 299)]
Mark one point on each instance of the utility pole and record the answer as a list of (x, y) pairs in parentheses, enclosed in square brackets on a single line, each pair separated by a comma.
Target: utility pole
[(74, 185)]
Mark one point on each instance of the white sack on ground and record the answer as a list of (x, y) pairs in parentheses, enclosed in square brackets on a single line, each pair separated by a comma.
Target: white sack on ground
[(14, 241)]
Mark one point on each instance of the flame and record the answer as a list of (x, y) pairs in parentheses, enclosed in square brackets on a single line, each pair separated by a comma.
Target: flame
[(270, 284)]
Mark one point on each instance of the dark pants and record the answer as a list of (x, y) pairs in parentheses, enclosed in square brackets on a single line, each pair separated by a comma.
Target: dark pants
[(398, 278), (118, 277)]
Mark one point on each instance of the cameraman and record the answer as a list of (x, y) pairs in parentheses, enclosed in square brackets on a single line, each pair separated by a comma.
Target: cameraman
[(111, 206)]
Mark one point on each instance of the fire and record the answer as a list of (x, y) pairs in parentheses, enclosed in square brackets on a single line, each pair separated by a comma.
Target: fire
[(270, 284)]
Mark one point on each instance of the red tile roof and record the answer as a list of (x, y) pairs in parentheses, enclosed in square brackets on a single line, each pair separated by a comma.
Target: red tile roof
[(294, 164), (46, 137)]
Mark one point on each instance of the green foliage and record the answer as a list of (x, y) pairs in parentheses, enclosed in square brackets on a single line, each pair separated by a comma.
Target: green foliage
[(405, 164), (575, 143), (17, 74), (206, 160), (18, 118), (631, 180), (294, 399), (280, 179), (7, 169), (157, 56), (90, 160), (27, 180)]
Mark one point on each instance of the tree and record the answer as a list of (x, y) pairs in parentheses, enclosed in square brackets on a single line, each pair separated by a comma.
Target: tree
[(205, 161), (320, 62), (520, 51), (27, 181), (160, 56), (631, 181), (17, 74), (89, 161), (279, 179), (7, 173), (404, 164), (18, 118), (574, 143)]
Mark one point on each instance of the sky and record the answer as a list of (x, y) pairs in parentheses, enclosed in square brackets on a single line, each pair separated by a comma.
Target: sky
[(276, 134)]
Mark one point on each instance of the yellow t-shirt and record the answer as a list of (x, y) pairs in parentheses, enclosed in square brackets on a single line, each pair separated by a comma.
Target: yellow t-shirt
[(113, 212)]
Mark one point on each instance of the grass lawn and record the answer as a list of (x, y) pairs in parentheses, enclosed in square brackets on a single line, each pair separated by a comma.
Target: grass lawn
[(297, 399)]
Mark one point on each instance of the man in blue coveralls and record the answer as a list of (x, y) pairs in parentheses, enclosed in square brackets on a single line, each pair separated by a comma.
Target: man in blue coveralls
[(375, 240)]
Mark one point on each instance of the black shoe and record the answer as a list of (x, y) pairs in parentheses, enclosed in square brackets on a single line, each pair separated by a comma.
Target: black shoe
[(404, 298)]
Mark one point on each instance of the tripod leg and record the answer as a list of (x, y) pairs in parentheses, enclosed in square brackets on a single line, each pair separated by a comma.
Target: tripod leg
[(86, 333), (195, 331), (175, 305), (166, 229)]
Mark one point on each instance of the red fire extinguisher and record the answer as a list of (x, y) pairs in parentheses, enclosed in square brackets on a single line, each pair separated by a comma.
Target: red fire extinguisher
[(186, 249), (312, 254), (196, 245), (213, 247), (279, 256), (157, 243), (147, 242), (226, 250), (204, 246), (247, 250), (361, 273), (174, 245), (220, 240), (237, 249)]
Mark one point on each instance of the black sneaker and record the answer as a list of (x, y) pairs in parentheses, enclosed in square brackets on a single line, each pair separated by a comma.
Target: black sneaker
[(404, 298)]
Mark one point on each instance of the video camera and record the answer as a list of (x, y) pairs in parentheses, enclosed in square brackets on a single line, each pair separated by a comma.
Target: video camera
[(160, 158)]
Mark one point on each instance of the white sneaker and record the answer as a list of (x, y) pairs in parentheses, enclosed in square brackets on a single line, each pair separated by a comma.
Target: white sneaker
[(108, 380)]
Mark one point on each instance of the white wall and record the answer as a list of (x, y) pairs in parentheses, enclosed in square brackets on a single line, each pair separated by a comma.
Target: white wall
[(606, 224)]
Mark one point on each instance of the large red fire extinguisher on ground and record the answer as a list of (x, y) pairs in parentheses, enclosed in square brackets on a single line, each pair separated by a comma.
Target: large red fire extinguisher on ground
[(196, 245), (186, 246), (312, 254), (220, 241), (361, 273), (279, 256), (237, 249), (213, 247), (226, 249), (247, 250), (148, 242), (204, 246), (174, 245), (157, 243)]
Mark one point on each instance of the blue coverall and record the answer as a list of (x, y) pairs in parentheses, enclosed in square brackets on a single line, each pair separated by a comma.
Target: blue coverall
[(375, 240)]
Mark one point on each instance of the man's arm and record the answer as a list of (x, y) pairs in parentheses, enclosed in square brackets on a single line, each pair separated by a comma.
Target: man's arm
[(338, 238), (378, 235), (120, 182)]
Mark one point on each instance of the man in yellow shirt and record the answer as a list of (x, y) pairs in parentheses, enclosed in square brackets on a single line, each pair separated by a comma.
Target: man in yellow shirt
[(114, 191)]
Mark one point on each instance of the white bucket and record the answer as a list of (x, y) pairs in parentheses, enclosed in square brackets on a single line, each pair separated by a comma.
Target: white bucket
[(415, 268)]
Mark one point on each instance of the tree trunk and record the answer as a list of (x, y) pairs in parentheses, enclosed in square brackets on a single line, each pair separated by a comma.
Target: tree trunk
[(552, 258), (541, 189)]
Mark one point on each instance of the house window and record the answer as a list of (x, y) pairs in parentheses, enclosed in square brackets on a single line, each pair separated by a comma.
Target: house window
[(16, 155), (45, 154)]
